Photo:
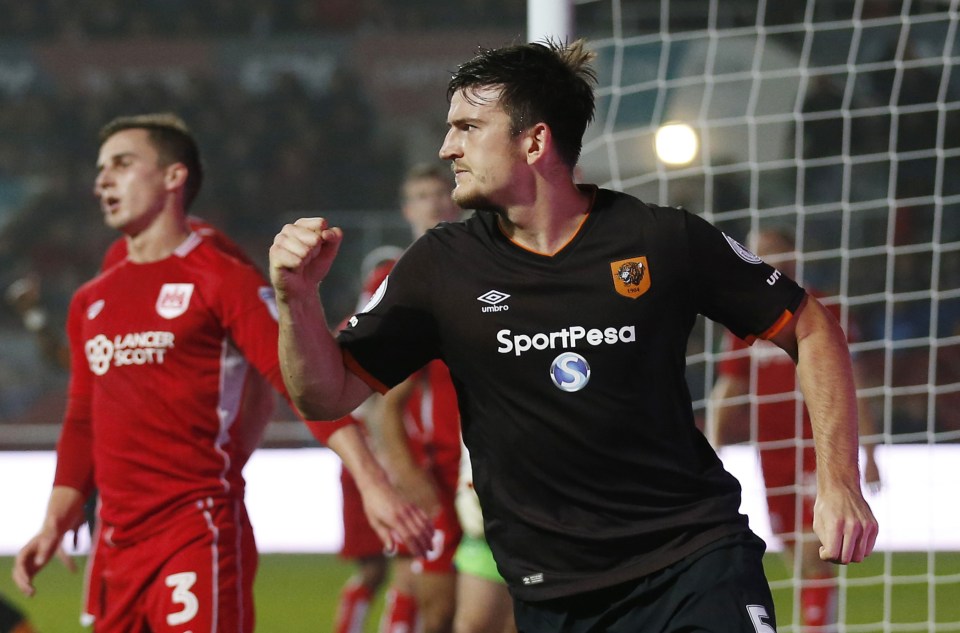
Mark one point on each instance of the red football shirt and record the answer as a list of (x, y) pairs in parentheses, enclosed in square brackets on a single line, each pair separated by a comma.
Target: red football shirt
[(159, 356)]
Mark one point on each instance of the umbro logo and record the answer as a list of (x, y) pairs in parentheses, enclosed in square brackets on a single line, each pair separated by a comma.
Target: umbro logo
[(494, 298)]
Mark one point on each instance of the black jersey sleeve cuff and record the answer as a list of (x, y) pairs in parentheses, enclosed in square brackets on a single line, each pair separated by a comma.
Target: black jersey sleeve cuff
[(355, 367)]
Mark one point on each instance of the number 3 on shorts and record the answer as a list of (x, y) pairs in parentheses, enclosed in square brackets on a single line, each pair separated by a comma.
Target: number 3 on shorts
[(181, 584), (758, 613)]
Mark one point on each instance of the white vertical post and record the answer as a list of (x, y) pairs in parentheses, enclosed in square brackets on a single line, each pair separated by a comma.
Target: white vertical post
[(549, 18)]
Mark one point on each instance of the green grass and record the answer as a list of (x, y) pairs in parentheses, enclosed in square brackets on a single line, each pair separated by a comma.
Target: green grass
[(294, 594), (911, 601), (298, 593)]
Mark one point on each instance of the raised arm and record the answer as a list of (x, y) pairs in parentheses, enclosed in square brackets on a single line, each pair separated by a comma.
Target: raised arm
[(842, 518), (310, 359)]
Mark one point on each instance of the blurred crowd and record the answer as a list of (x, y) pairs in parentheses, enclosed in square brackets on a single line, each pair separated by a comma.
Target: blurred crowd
[(53, 19)]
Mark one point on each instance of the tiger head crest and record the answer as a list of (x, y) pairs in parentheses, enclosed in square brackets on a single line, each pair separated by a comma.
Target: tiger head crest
[(631, 277)]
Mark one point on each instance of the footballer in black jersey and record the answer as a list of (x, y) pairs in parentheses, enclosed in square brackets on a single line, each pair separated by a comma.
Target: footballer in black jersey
[(563, 313), (570, 376)]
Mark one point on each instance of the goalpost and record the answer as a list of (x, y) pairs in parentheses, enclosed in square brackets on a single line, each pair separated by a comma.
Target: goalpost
[(839, 120)]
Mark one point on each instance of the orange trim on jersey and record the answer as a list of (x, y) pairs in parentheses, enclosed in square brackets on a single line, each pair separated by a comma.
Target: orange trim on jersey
[(773, 329), (351, 363), (593, 199)]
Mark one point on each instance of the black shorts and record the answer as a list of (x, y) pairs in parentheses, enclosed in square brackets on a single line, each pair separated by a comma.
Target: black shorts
[(721, 588)]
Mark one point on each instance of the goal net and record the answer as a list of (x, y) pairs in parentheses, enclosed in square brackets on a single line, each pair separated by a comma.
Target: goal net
[(837, 122)]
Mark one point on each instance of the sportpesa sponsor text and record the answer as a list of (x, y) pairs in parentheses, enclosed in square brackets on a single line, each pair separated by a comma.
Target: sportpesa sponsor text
[(566, 338)]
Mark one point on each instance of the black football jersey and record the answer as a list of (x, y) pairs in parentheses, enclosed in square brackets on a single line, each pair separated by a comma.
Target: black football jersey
[(569, 371)]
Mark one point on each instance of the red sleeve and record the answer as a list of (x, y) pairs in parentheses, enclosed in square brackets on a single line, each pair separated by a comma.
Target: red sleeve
[(322, 431), (249, 315), (75, 446), (247, 311)]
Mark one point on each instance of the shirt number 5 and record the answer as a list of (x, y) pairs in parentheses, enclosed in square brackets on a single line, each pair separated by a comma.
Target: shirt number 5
[(758, 615)]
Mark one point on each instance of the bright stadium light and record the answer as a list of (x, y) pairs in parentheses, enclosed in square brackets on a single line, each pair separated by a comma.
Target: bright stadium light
[(676, 144)]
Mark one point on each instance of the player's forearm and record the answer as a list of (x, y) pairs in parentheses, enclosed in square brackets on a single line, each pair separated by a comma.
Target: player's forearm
[(396, 454), (64, 510), (826, 379), (386, 423), (349, 444), (310, 360)]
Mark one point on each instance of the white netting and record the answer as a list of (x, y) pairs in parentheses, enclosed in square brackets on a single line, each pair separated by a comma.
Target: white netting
[(841, 122)]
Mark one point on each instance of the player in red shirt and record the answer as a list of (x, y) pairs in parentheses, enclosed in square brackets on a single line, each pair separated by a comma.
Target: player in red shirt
[(257, 401), (767, 376), (160, 347)]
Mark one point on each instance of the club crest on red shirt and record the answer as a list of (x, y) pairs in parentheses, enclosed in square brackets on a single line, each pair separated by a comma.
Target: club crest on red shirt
[(174, 300)]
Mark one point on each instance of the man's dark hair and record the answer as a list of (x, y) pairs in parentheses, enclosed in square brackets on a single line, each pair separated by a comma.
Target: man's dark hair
[(173, 141), (540, 82)]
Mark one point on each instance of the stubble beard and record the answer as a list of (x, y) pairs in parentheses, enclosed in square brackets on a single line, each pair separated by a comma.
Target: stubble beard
[(474, 201)]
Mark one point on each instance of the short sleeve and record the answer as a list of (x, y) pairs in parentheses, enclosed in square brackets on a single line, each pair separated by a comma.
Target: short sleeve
[(396, 332), (735, 287)]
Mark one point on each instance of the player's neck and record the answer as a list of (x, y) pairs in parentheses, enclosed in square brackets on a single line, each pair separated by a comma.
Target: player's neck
[(159, 239), (550, 222)]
